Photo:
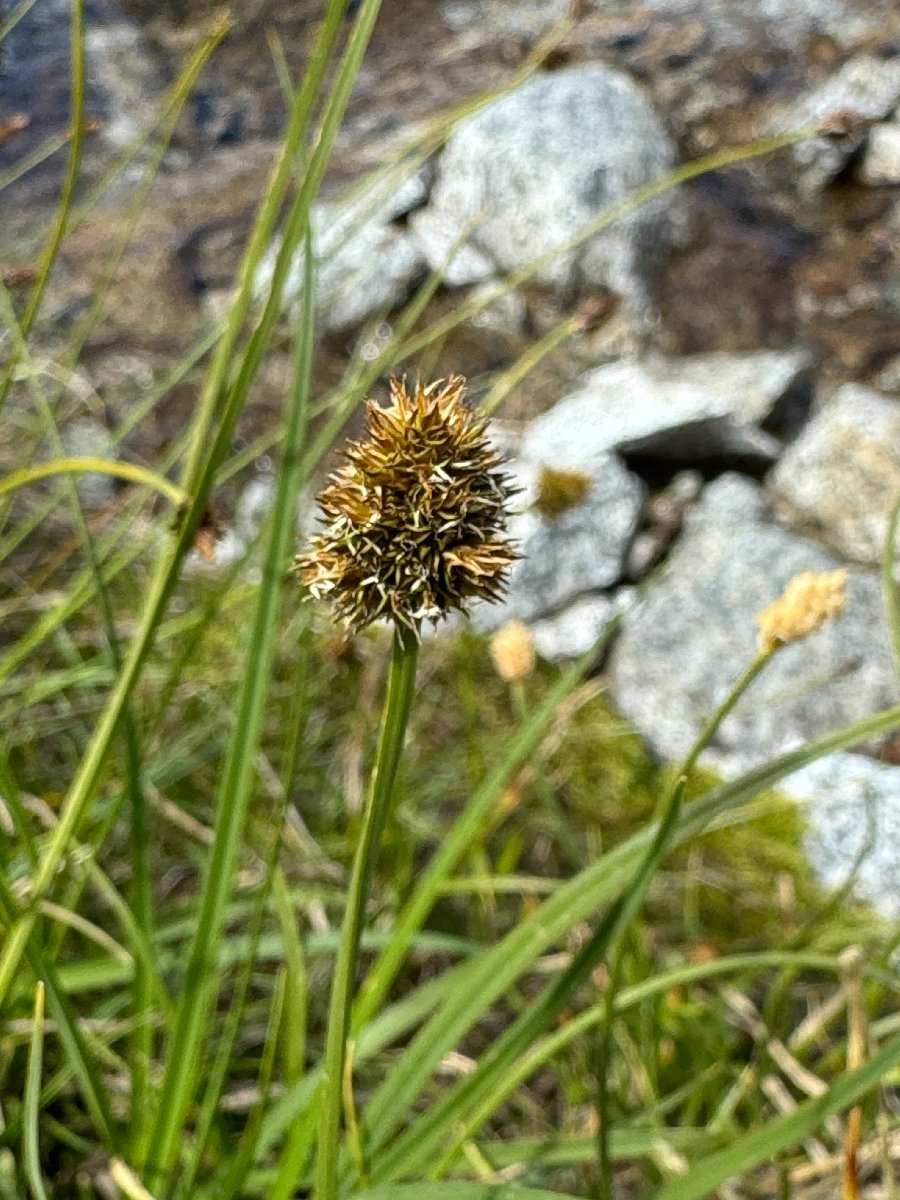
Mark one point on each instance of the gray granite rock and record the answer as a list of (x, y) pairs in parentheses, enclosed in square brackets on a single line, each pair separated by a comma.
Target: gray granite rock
[(365, 262), (864, 90), (839, 480), (573, 631), (683, 647), (531, 169), (881, 164), (705, 406), (579, 552), (88, 437), (853, 808)]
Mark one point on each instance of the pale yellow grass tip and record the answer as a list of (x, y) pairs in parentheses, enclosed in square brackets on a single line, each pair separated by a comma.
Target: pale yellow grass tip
[(808, 601), (512, 651)]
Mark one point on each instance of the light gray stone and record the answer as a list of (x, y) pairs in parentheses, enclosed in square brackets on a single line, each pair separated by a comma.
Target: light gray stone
[(853, 808), (864, 90), (579, 552), (525, 174), (684, 646), (87, 437), (841, 477), (881, 164), (693, 408), (575, 630), (365, 263)]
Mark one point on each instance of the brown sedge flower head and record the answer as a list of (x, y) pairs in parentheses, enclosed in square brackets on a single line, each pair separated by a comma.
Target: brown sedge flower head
[(808, 601), (415, 518)]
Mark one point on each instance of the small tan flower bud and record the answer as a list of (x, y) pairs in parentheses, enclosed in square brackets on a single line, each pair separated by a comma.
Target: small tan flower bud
[(512, 651), (559, 489), (808, 601), (415, 519)]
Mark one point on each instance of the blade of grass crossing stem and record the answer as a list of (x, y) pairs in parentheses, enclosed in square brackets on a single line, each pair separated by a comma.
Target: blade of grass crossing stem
[(401, 684), (480, 983), (272, 887), (199, 473), (31, 1106), (185, 1051), (478, 810), (762, 1146), (889, 582)]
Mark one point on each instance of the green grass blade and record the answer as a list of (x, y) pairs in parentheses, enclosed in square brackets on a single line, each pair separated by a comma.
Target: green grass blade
[(185, 1052), (458, 1191), (31, 1105)]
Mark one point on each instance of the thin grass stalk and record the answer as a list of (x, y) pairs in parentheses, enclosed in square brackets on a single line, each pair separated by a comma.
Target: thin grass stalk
[(396, 715), (273, 887), (218, 1072), (544, 1051), (21, 10), (200, 987), (243, 1160), (415, 1149), (291, 150), (83, 465), (31, 1104), (298, 1143), (45, 269), (350, 62)]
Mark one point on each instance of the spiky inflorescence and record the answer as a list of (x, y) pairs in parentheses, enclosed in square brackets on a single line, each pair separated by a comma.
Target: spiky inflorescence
[(415, 518)]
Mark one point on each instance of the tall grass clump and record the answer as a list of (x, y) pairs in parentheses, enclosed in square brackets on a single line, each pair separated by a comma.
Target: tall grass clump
[(290, 908)]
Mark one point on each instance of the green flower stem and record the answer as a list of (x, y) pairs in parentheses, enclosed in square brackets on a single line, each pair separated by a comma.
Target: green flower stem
[(393, 729), (668, 813)]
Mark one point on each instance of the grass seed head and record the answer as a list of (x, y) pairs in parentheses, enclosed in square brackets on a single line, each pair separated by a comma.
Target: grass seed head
[(415, 518), (808, 601)]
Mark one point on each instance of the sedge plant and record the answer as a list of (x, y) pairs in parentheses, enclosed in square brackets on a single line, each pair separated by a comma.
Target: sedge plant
[(414, 530)]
